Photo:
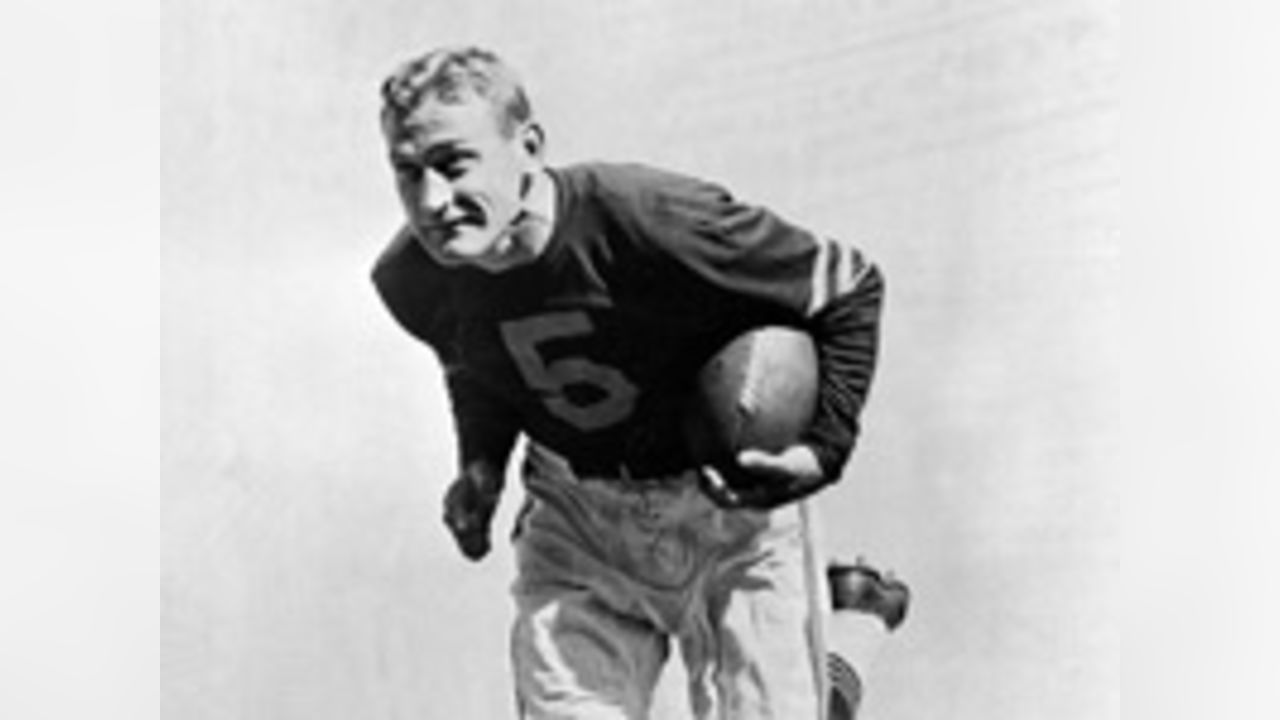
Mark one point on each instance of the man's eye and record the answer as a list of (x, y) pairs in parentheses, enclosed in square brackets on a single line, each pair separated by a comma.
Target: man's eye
[(450, 169), (408, 171)]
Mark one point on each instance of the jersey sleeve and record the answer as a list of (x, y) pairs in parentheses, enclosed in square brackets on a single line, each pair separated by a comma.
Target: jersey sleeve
[(825, 285), (415, 293), (847, 331), (485, 427)]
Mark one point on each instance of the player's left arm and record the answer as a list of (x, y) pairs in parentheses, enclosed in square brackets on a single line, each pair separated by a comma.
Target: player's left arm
[(829, 286), (845, 325)]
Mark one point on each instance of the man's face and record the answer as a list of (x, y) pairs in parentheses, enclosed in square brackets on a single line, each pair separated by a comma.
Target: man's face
[(461, 181)]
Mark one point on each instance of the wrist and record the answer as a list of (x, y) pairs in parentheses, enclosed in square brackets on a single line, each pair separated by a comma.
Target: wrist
[(484, 475)]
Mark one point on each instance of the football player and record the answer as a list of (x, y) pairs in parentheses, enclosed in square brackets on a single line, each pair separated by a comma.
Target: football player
[(573, 306)]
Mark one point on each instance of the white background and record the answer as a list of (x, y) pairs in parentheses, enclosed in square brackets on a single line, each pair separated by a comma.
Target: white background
[(1068, 449)]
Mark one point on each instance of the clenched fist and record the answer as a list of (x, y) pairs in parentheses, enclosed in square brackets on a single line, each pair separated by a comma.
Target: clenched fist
[(469, 505)]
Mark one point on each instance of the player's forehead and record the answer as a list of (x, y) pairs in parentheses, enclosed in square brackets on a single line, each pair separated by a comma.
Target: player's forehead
[(468, 121)]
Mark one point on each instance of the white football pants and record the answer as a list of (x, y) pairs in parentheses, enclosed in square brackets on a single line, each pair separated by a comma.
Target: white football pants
[(609, 574)]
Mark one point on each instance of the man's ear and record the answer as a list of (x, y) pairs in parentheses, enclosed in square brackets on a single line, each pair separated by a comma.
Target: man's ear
[(533, 140)]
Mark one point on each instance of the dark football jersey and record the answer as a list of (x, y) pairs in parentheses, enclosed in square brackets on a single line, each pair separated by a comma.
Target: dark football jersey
[(591, 348)]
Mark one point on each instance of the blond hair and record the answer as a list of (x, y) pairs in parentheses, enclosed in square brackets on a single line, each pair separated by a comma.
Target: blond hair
[(454, 74)]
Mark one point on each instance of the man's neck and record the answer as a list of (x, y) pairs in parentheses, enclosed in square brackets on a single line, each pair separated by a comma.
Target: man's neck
[(540, 209)]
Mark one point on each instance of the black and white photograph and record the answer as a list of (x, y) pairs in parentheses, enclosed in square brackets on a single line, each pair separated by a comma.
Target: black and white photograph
[(646, 360), (463, 271)]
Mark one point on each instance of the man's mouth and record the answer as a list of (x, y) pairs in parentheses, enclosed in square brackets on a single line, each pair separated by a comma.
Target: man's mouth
[(446, 226), (469, 212)]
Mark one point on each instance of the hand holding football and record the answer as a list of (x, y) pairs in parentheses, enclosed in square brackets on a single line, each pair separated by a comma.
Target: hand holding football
[(754, 399)]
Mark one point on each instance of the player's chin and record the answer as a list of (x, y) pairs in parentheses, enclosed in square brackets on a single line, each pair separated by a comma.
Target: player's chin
[(496, 255), (457, 249), (434, 239)]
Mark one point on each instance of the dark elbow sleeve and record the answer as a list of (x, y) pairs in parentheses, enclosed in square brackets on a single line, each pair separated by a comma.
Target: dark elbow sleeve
[(847, 331)]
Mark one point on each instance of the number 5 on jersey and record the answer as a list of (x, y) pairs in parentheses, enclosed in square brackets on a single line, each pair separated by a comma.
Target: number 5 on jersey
[(606, 395)]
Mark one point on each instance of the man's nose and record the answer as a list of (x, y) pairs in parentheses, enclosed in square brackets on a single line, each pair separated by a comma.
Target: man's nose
[(437, 193)]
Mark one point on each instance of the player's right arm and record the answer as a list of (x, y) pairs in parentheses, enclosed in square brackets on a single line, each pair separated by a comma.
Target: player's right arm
[(414, 290), (486, 435)]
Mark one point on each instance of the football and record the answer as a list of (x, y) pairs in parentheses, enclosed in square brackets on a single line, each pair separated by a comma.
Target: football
[(759, 391)]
